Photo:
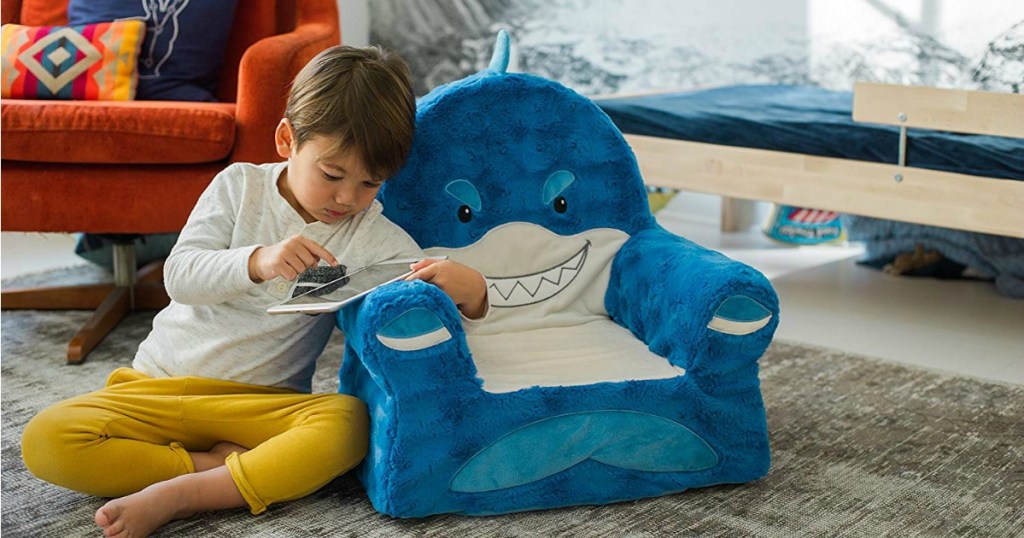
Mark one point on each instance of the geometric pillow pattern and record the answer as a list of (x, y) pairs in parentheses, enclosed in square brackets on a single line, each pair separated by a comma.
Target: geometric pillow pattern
[(93, 61)]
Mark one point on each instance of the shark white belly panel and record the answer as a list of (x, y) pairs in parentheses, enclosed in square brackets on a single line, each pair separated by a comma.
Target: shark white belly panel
[(594, 352)]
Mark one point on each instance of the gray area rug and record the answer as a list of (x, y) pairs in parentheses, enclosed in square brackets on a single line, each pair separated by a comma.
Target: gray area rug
[(860, 447)]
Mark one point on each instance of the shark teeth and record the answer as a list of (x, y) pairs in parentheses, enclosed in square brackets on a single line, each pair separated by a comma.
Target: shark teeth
[(533, 288)]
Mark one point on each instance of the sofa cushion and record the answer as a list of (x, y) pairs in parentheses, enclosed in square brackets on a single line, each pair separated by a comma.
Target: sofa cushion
[(183, 52), (92, 61), (149, 132)]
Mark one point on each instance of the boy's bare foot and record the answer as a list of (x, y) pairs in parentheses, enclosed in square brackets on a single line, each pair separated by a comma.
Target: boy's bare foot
[(224, 449), (139, 514), (204, 461)]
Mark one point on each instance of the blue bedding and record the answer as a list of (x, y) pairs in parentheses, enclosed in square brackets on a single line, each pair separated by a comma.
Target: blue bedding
[(804, 119), (815, 121)]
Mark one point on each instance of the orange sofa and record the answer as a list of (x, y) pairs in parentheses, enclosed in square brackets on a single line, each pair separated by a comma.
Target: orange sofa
[(134, 167)]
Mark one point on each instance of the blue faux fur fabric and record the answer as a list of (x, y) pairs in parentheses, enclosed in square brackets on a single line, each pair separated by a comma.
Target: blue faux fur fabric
[(617, 361)]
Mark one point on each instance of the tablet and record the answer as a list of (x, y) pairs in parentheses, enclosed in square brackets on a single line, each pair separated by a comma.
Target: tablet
[(333, 295)]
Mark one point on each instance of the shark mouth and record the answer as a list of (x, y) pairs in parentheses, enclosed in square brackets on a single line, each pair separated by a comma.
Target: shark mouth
[(529, 289)]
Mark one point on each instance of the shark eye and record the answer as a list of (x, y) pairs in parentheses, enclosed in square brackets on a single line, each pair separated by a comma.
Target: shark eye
[(466, 194), (555, 186), (560, 204)]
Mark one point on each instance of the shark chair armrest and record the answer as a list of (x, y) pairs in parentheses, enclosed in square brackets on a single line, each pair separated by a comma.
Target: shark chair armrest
[(702, 310), (409, 336)]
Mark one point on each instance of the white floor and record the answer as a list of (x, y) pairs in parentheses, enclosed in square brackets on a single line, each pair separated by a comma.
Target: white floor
[(826, 299), (22, 253)]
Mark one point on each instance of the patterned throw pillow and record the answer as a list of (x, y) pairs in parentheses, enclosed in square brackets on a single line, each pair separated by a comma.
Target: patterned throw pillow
[(93, 61)]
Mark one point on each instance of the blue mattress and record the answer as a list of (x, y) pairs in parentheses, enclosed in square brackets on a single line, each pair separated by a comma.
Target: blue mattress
[(814, 121)]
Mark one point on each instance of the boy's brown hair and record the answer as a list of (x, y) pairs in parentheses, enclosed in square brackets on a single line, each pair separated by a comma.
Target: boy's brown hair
[(362, 96)]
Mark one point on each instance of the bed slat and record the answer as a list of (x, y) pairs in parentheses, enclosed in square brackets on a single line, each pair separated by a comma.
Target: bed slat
[(859, 187), (961, 111)]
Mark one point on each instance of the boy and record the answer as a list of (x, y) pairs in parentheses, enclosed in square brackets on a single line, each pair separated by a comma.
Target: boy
[(216, 411)]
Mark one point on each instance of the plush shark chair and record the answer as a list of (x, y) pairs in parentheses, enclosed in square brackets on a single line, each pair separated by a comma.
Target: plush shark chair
[(617, 361)]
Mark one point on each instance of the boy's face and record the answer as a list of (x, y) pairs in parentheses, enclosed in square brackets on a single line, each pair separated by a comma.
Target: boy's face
[(320, 185)]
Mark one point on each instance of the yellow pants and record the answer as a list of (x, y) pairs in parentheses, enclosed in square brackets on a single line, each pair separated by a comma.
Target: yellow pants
[(138, 431)]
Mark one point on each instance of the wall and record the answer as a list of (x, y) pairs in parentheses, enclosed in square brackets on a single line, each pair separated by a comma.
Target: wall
[(946, 43), (355, 22), (608, 46)]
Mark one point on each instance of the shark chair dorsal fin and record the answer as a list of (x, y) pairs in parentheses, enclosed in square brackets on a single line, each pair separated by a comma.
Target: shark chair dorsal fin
[(499, 61)]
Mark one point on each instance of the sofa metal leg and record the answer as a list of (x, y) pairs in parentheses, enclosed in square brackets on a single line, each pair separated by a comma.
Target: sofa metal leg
[(125, 269)]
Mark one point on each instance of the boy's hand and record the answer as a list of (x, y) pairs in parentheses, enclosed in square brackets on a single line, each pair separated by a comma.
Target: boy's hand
[(463, 284), (287, 259)]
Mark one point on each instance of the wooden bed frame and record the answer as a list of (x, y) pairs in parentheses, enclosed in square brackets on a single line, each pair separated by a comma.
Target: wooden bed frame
[(890, 191)]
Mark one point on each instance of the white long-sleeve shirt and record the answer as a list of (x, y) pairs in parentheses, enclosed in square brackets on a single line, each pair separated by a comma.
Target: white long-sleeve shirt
[(216, 325)]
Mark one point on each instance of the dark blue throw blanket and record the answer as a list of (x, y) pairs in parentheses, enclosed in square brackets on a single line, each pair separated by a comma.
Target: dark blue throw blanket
[(816, 121), (995, 257)]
